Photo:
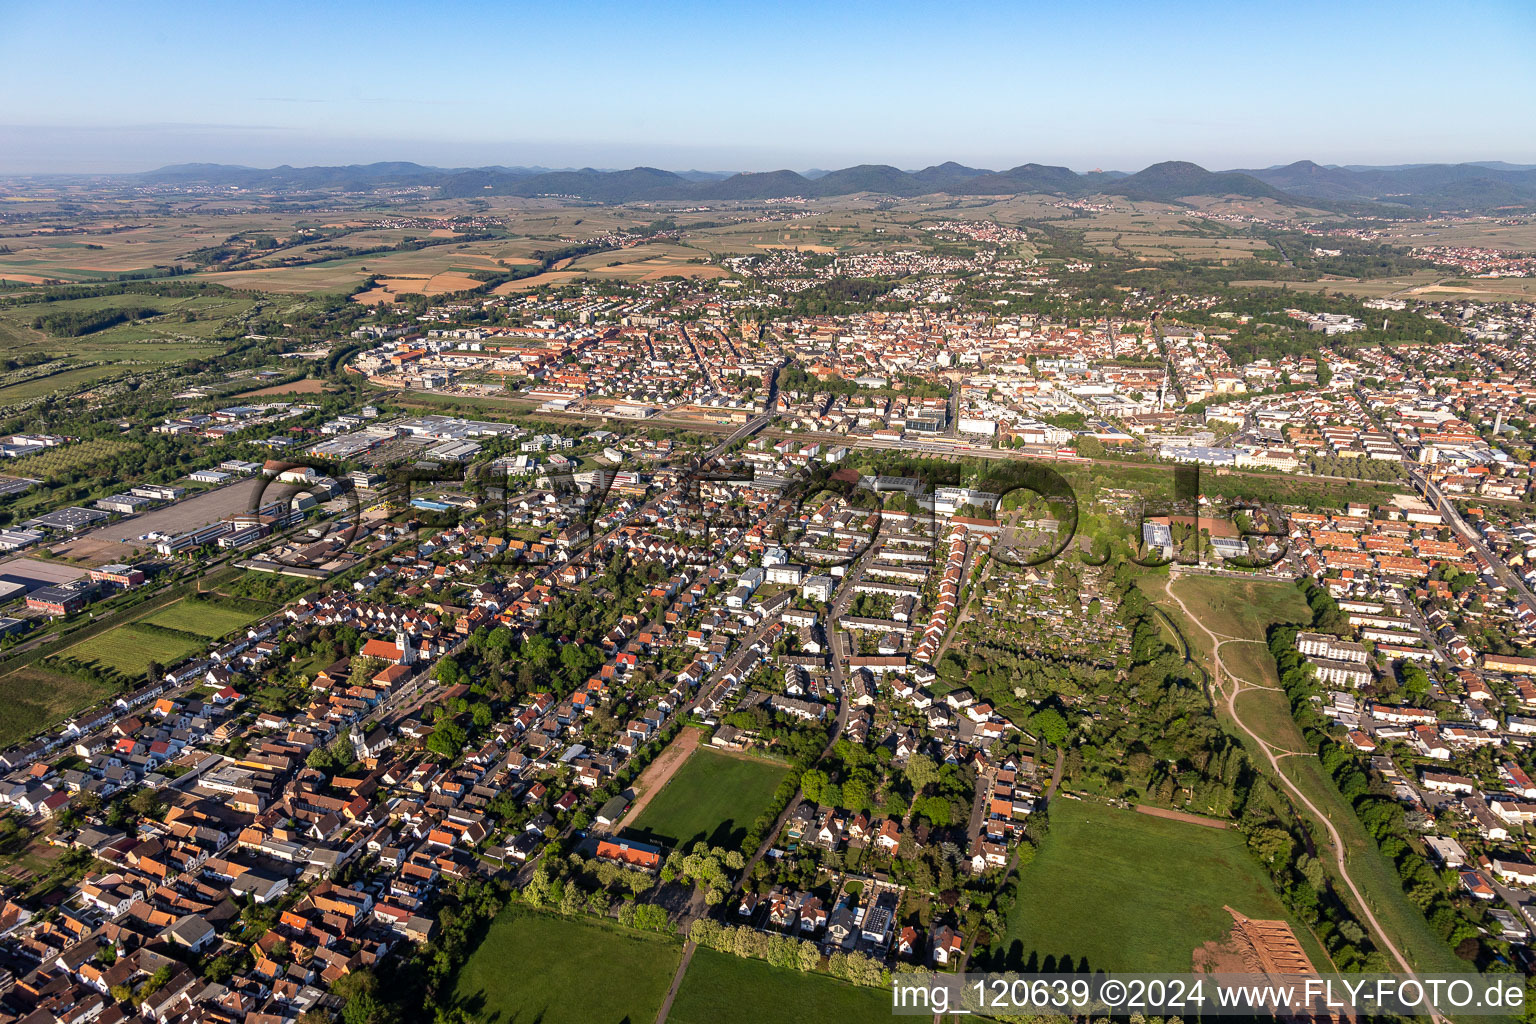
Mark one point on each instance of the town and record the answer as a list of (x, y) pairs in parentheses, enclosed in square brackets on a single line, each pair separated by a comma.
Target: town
[(799, 614)]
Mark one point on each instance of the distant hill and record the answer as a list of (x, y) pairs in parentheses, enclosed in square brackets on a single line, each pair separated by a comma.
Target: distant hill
[(882, 178), (947, 177), (1030, 178), (766, 185), (1176, 179), (1477, 187), (1485, 186), (348, 178)]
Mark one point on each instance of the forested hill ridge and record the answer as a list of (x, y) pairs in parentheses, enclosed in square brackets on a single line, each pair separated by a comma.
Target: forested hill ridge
[(1451, 187)]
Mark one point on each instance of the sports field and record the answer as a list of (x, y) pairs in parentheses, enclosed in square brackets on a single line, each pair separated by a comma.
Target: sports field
[(714, 797), (1133, 892), (721, 987), (556, 970)]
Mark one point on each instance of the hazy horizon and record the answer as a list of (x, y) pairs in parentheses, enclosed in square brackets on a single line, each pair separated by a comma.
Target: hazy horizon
[(390, 155), (1119, 86)]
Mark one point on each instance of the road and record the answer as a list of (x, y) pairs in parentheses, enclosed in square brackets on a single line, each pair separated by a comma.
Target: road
[(1013, 858), (840, 678), (1437, 498), (1273, 754), (1432, 494)]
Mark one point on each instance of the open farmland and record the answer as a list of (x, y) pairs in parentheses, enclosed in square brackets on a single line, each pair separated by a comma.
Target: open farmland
[(527, 283), (431, 270), (103, 252), (211, 617), (33, 698), (714, 797), (539, 967), (1100, 863), (1427, 285), (179, 328), (1166, 246), (128, 649), (302, 386), (1517, 233)]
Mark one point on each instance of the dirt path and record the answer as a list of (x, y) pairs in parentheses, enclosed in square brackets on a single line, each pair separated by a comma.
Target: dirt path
[(1273, 755), (1184, 816), (659, 772), (677, 983)]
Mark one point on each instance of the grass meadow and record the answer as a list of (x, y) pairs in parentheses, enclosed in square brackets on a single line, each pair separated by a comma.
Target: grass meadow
[(1131, 892), (720, 987), (714, 797), (557, 970), (1245, 609)]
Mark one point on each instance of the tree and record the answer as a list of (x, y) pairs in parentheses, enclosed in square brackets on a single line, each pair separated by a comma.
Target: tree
[(814, 784), (1050, 726), (447, 739), (363, 671), (922, 772), (145, 803)]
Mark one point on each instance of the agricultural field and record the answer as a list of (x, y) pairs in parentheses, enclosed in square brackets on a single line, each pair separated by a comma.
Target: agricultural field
[(180, 329), (714, 797), (556, 970), (36, 386), (718, 986), (1098, 891), (33, 698), (128, 649), (1514, 233), (302, 386), (1169, 246), (98, 253), (58, 463), (523, 284), (211, 617), (433, 270), (1427, 285), (649, 263)]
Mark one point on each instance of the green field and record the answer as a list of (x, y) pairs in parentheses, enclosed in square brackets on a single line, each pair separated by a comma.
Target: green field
[(555, 970), (182, 328), (129, 648), (714, 797), (204, 616), (721, 987), (34, 698), (1234, 607), (1130, 892)]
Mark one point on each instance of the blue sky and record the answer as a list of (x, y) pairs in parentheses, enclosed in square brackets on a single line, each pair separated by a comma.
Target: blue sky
[(129, 86)]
